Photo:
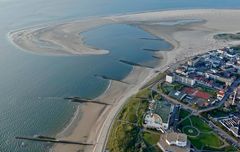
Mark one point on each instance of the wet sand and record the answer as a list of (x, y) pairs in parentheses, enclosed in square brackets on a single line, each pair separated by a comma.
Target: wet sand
[(93, 121)]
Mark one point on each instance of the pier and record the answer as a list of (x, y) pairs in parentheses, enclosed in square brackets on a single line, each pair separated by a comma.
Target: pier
[(153, 39), (52, 140), (151, 50), (135, 64), (108, 78), (81, 100)]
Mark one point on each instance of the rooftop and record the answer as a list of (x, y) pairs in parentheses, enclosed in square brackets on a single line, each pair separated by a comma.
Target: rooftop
[(177, 94), (163, 144), (173, 136)]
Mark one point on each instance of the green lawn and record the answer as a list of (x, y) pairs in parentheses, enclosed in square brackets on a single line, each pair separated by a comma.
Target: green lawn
[(206, 138), (200, 124), (186, 122), (184, 113), (152, 149), (225, 149), (190, 131), (151, 138)]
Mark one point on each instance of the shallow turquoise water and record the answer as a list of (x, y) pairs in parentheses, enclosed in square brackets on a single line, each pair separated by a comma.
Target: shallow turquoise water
[(29, 82)]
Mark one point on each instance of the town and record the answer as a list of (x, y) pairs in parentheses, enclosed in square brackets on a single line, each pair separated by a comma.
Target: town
[(198, 103)]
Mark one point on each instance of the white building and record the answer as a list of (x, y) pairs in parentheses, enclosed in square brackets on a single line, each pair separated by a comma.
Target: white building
[(159, 115), (169, 79), (174, 142), (181, 79), (184, 80), (153, 121), (177, 139)]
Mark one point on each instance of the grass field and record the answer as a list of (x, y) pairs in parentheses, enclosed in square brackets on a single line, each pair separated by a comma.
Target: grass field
[(151, 138), (225, 149), (186, 122), (184, 113), (199, 133), (206, 139), (190, 131), (200, 124)]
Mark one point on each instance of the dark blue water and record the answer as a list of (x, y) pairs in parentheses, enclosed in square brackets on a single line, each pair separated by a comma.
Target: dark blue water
[(28, 82)]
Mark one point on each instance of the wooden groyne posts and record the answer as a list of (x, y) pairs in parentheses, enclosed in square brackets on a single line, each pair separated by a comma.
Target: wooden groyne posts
[(151, 50), (135, 64), (52, 140), (81, 100), (152, 39), (108, 78)]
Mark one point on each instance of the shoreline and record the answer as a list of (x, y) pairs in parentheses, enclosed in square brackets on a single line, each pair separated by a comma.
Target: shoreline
[(66, 131), (111, 93), (187, 41)]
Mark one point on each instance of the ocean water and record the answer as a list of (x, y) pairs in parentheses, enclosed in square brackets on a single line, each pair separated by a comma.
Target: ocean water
[(32, 86)]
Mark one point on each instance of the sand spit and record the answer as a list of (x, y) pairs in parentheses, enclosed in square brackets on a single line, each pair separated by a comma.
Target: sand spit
[(62, 39), (188, 40)]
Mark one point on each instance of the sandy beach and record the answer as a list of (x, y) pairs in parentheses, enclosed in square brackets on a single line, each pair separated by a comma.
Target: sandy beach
[(92, 122)]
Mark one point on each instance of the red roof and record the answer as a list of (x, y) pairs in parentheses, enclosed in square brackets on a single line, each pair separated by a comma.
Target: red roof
[(221, 93), (196, 93), (203, 95)]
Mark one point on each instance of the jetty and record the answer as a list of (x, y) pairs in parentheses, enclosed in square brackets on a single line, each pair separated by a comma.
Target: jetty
[(154, 39), (109, 78), (82, 100), (52, 140), (44, 137), (135, 64), (151, 50)]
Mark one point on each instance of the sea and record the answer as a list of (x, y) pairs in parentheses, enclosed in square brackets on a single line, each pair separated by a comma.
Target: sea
[(33, 86)]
